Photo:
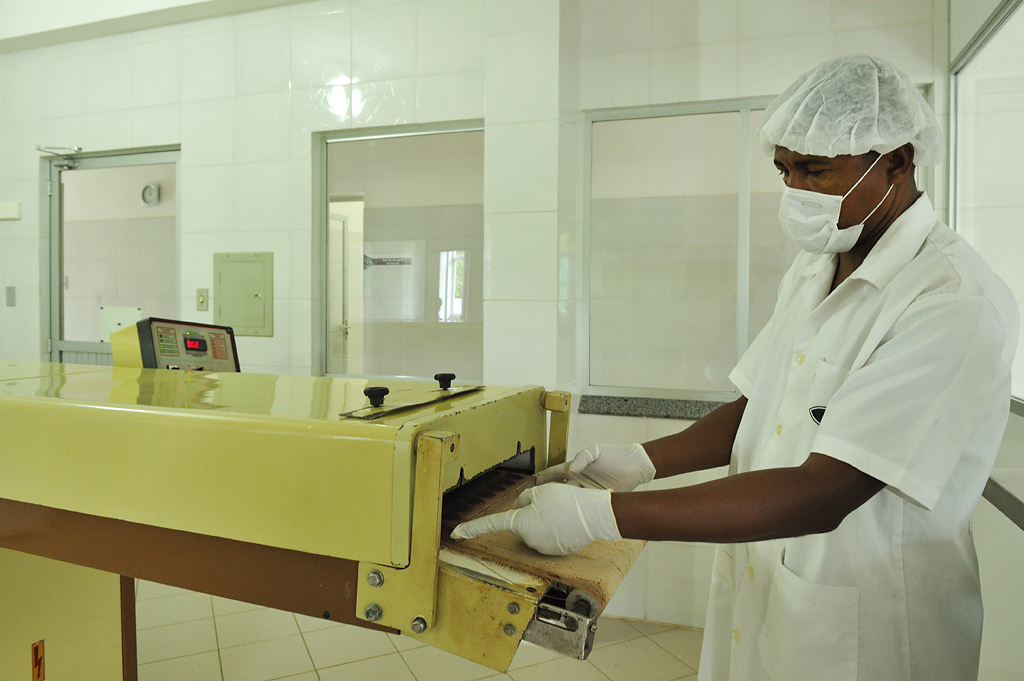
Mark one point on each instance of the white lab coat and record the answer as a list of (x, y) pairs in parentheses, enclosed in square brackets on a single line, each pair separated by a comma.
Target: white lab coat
[(907, 367)]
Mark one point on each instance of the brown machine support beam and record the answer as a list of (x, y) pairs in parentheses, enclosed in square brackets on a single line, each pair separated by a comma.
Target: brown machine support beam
[(308, 584), (129, 641)]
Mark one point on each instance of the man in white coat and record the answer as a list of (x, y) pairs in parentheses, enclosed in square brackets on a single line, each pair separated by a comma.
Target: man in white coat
[(873, 404)]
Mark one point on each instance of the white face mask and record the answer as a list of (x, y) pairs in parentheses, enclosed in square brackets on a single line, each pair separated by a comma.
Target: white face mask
[(811, 219)]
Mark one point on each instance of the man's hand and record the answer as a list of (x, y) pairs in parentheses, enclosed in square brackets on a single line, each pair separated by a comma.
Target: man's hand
[(553, 519), (620, 468)]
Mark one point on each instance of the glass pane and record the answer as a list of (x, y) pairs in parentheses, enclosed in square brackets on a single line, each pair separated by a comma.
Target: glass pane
[(990, 144), (405, 247), (663, 223), (118, 252), (450, 288), (771, 251)]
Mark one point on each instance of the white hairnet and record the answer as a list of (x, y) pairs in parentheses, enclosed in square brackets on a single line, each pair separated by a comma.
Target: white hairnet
[(851, 106)]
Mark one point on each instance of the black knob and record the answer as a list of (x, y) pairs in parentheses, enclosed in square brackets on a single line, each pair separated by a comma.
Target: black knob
[(376, 395), (444, 380)]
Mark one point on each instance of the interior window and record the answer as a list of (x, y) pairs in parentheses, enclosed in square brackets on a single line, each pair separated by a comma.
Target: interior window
[(990, 144), (405, 245)]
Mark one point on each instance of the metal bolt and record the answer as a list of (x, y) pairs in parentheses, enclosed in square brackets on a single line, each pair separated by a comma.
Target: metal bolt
[(375, 578), (513, 608), (510, 630), (374, 612), (419, 625)]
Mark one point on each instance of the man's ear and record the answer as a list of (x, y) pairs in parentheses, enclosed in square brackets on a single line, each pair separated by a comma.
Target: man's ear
[(901, 163)]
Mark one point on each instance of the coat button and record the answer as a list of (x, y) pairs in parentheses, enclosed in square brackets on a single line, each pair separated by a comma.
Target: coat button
[(736, 635), (750, 572), (778, 429), (800, 358)]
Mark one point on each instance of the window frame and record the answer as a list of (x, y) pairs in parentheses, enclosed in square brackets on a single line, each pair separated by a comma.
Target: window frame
[(322, 198), (972, 49), (742, 106), (51, 191)]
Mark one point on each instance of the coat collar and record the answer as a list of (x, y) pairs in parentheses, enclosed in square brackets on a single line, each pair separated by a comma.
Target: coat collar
[(894, 250), (898, 245)]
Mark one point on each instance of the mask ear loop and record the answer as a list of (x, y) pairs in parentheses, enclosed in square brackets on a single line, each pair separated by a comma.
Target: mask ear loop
[(879, 204), (868, 216), (870, 168)]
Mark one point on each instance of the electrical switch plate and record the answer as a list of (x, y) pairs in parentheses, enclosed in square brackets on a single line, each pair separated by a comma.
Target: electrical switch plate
[(202, 299), (11, 296)]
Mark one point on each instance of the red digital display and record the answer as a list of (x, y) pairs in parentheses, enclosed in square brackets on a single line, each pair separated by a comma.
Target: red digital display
[(195, 344)]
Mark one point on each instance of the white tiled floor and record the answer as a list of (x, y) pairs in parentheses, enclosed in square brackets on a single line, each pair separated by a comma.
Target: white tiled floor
[(184, 636)]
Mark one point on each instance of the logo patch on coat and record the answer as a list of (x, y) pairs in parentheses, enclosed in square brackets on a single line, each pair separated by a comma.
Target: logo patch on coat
[(817, 413)]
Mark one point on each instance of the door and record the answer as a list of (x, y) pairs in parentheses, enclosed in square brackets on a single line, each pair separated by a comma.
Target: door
[(113, 248)]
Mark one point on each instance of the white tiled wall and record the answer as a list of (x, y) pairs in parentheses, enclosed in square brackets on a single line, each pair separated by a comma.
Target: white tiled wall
[(569, 229), (521, 191), (241, 93), (729, 48)]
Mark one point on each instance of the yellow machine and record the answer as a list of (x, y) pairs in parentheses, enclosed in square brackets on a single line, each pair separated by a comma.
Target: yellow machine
[(320, 496), (76, 613)]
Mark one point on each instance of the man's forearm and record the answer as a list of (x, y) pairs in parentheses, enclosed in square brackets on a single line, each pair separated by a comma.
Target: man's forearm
[(705, 444), (766, 504)]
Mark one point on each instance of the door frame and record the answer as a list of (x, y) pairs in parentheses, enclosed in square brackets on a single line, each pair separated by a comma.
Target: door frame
[(52, 220), (344, 220)]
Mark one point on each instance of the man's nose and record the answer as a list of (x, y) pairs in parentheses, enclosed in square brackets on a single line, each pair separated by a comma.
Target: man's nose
[(796, 181)]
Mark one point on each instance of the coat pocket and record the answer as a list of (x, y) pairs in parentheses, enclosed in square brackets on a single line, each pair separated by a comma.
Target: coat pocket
[(810, 630), (828, 378)]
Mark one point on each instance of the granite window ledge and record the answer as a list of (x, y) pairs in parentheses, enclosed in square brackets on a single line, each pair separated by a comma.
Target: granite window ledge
[(646, 407)]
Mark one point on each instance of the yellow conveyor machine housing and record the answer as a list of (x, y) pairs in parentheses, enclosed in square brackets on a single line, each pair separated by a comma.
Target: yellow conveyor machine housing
[(286, 491)]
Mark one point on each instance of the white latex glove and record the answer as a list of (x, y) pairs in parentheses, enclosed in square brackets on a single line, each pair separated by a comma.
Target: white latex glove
[(620, 468), (553, 519)]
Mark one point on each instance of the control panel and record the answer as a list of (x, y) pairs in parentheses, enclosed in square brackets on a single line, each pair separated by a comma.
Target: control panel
[(171, 344)]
